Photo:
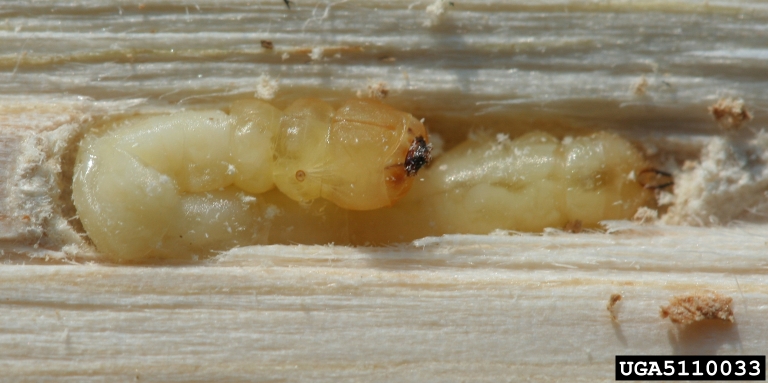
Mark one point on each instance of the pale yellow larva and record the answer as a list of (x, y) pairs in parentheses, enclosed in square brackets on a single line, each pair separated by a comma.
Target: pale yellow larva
[(360, 156), (176, 184), (195, 182), (527, 184)]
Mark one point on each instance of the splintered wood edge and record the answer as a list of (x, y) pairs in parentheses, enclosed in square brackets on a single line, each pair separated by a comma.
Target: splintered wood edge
[(38, 142)]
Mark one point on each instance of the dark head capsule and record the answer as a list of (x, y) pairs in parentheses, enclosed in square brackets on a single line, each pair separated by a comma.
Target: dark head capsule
[(419, 154)]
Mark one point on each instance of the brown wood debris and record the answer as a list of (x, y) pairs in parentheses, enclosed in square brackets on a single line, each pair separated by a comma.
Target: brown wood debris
[(730, 113), (640, 87), (611, 306), (574, 226), (686, 309), (378, 90)]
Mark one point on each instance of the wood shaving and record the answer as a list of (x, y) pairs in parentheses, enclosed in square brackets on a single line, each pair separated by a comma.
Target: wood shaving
[(611, 306), (640, 87), (730, 113), (686, 309), (646, 215)]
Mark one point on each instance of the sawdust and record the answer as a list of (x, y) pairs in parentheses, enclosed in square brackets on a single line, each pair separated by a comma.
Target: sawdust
[(435, 12), (38, 199), (375, 89), (266, 87), (690, 308), (730, 113), (729, 182), (640, 87), (316, 53)]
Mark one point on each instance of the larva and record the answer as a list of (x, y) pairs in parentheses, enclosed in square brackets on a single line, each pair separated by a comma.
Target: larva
[(526, 184), (180, 183), (200, 181)]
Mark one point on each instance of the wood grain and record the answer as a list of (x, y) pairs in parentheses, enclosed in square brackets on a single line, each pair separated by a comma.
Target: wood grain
[(458, 308), (454, 308)]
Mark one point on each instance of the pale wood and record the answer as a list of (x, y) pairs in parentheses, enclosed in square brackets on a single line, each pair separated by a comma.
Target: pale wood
[(472, 308), (456, 308)]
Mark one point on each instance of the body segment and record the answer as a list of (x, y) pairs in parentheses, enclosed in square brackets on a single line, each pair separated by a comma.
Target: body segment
[(167, 185)]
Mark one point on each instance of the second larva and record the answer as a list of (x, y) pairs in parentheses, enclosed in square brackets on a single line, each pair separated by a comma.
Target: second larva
[(526, 184), (197, 182)]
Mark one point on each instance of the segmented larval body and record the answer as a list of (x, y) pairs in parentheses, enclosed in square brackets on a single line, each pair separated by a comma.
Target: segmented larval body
[(533, 182), (184, 183), (195, 182)]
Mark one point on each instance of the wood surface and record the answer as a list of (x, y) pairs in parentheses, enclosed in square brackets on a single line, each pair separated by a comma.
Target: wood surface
[(503, 307)]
